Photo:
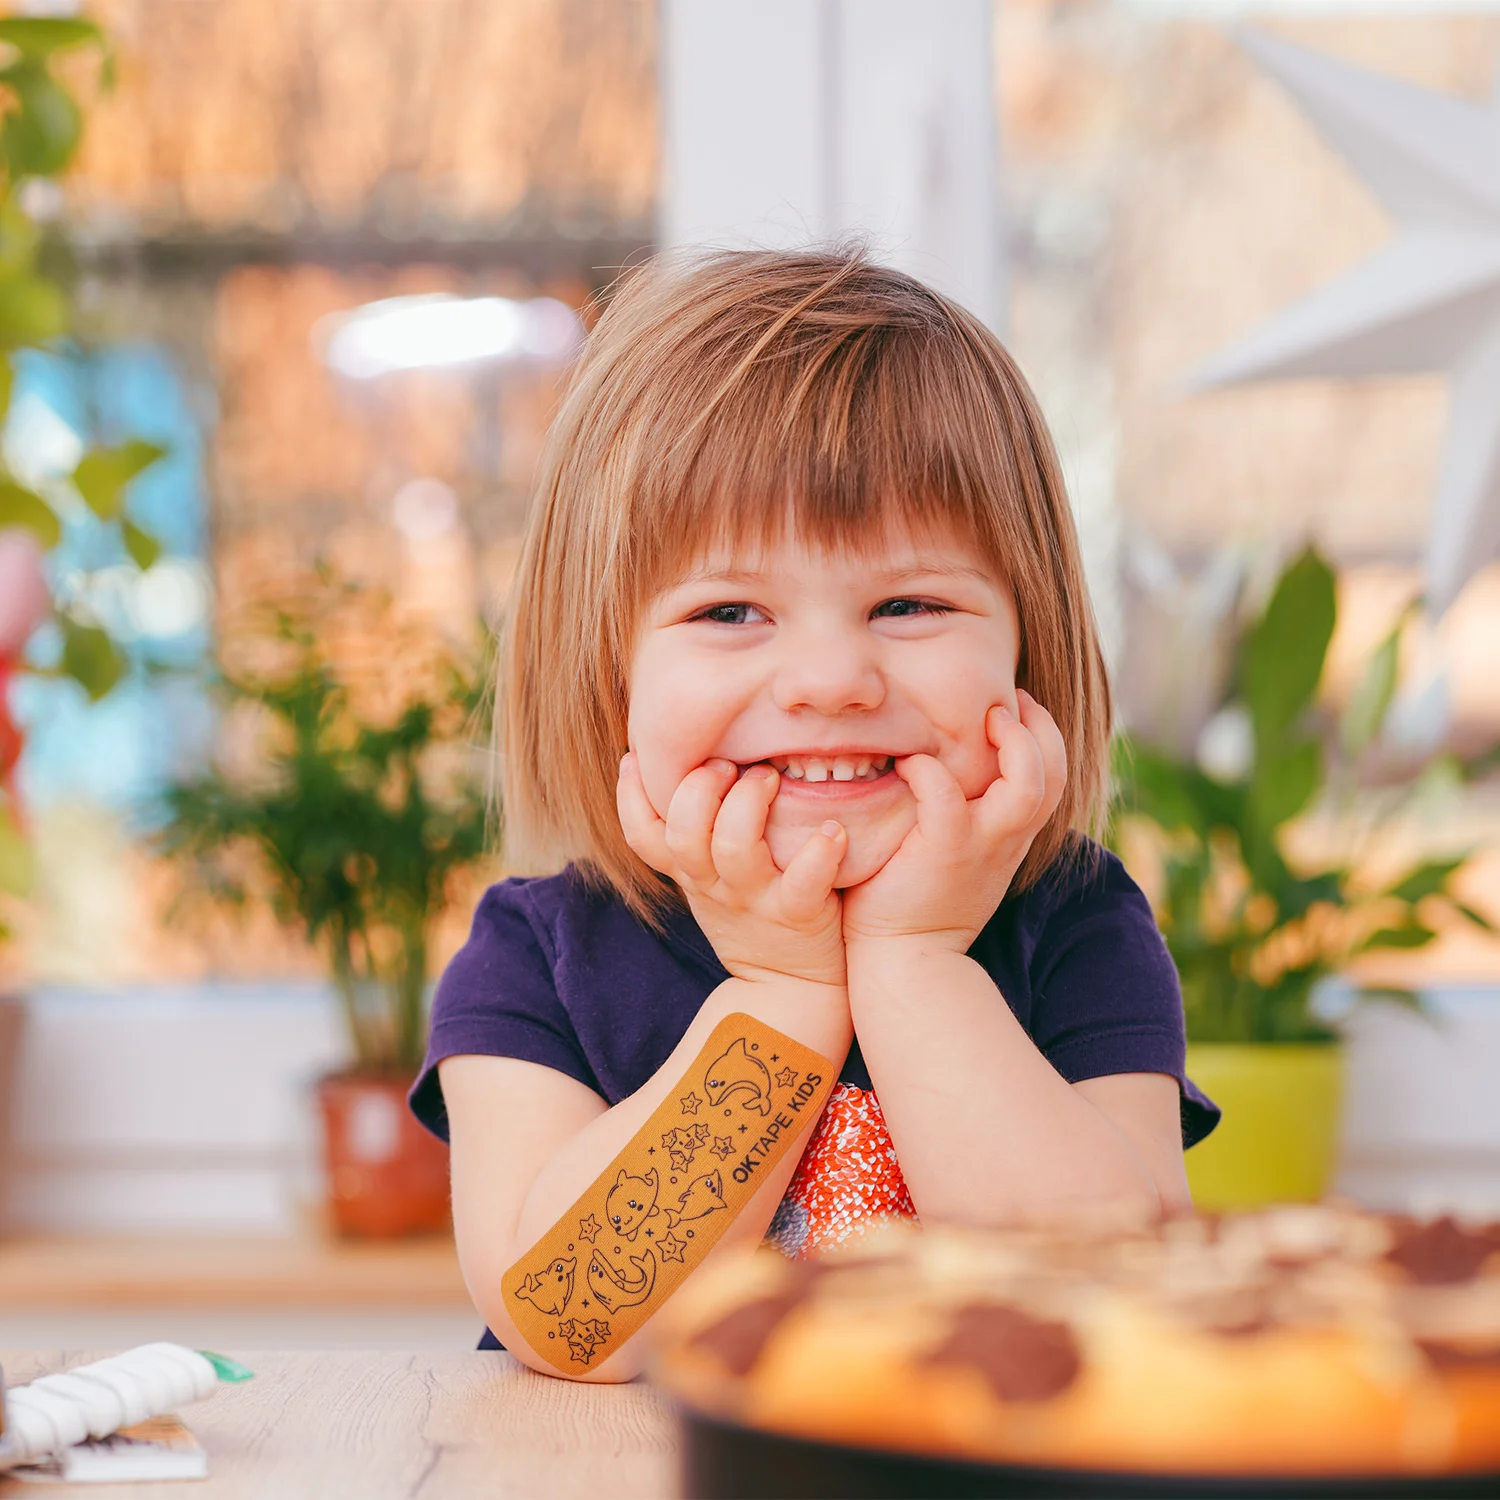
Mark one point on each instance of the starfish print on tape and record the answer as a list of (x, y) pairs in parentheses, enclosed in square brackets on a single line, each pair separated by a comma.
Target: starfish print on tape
[(682, 1146), (723, 1147), (670, 1247), (588, 1228), (786, 1078), (584, 1335), (690, 1103)]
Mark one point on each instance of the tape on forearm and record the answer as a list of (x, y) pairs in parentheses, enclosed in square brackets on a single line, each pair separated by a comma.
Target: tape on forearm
[(650, 1218)]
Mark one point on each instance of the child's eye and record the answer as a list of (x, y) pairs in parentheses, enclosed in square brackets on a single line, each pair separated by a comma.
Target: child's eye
[(898, 609), (731, 614)]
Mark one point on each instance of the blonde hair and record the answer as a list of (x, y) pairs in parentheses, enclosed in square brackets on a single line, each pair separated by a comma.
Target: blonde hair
[(723, 399)]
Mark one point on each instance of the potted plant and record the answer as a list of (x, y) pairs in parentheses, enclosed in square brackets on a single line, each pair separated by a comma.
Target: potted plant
[(1252, 925), (359, 813), (40, 128)]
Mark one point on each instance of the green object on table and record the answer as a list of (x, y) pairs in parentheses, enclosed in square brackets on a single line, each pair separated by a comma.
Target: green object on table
[(227, 1369), (1278, 1140)]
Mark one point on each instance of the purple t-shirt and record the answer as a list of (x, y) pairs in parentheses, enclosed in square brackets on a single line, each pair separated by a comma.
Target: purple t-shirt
[(559, 973)]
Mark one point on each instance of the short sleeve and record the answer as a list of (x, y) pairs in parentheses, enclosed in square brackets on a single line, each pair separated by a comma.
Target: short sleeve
[(497, 998), (1106, 997)]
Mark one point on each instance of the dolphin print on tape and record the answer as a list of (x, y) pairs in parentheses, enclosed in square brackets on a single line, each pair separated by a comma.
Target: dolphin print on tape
[(656, 1211)]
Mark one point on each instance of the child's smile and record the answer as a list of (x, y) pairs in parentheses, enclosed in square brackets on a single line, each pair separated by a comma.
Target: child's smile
[(829, 667)]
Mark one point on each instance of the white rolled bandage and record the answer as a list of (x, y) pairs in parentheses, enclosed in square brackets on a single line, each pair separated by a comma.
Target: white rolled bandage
[(56, 1411)]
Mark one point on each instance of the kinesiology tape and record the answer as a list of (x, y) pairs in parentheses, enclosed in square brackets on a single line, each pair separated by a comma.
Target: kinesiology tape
[(653, 1214)]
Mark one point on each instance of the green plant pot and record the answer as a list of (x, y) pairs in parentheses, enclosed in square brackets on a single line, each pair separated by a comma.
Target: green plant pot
[(1279, 1137)]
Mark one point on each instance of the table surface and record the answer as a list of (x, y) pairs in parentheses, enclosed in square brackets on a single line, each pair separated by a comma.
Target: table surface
[(369, 1426)]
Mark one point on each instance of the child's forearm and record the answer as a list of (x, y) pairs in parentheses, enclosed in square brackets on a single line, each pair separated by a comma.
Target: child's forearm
[(986, 1130), (815, 1015)]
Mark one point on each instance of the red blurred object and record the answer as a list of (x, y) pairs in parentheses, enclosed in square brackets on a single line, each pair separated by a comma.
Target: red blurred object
[(11, 740), (387, 1176)]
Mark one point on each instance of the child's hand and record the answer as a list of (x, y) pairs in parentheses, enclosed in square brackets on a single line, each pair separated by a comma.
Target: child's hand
[(763, 922), (953, 868)]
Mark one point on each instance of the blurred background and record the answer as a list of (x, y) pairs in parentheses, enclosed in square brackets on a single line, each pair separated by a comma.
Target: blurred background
[(286, 295)]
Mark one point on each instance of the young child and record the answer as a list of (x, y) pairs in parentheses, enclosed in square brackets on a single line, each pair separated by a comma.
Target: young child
[(801, 553)]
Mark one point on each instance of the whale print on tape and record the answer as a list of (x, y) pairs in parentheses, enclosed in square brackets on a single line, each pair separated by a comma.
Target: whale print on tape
[(631, 1201), (735, 1072), (612, 1290), (647, 1220), (548, 1290), (704, 1196)]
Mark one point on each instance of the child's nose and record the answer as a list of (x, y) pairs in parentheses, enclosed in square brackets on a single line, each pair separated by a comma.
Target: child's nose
[(828, 673)]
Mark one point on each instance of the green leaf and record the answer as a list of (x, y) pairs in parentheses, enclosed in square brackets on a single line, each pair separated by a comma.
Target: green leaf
[(39, 35), (15, 857), (32, 311), (22, 507), (1173, 793), (141, 545), (1283, 784), (101, 476), (1426, 880), (40, 137), (1286, 648), (7, 385), (1407, 935), (1371, 699), (91, 658), (1478, 918)]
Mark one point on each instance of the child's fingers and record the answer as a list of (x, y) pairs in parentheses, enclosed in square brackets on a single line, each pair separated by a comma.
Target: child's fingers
[(942, 810), (811, 871), (738, 843), (690, 818), (644, 831), (1054, 748), (1012, 803)]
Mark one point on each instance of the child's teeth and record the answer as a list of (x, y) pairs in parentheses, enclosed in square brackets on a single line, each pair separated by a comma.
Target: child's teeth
[(839, 768)]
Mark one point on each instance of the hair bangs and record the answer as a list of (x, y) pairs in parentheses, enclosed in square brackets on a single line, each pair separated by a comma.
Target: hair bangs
[(844, 442)]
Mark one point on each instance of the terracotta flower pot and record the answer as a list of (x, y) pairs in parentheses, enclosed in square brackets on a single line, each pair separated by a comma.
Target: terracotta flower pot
[(1278, 1140), (386, 1175), (12, 1024)]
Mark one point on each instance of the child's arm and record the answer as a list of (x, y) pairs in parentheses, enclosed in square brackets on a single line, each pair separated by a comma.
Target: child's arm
[(987, 1131), (527, 1140), (985, 1128)]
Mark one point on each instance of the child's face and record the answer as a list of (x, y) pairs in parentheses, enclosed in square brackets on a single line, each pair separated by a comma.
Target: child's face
[(826, 666)]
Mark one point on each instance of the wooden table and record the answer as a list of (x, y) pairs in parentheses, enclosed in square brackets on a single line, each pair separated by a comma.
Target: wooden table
[(363, 1426)]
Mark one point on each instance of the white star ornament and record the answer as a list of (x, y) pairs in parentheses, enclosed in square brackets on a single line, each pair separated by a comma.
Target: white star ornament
[(1429, 301)]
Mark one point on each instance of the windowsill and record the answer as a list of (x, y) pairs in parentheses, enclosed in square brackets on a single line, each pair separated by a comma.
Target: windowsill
[(43, 1271)]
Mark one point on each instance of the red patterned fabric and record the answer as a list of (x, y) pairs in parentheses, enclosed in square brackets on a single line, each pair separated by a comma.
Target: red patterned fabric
[(848, 1178)]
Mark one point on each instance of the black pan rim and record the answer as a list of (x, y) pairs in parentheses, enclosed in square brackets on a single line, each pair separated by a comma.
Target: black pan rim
[(716, 1432)]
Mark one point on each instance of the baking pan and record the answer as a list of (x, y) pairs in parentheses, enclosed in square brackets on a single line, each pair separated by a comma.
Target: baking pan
[(725, 1462)]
